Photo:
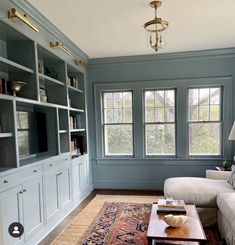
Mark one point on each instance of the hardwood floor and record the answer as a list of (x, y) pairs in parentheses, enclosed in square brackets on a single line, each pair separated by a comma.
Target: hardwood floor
[(60, 227)]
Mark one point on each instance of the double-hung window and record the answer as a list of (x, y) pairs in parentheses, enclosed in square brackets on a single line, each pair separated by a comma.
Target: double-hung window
[(204, 116), (160, 122), (118, 123)]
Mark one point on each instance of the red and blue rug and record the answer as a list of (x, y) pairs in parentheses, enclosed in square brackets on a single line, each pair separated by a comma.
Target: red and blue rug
[(126, 224)]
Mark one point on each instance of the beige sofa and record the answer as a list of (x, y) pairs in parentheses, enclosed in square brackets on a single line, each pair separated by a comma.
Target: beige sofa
[(213, 197)]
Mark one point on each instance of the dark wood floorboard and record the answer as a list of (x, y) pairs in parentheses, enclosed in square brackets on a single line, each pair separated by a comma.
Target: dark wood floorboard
[(60, 227)]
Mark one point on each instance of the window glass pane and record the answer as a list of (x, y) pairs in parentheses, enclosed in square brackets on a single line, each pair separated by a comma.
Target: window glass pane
[(149, 99), (127, 99), (169, 98), (159, 98), (117, 97), (108, 100), (149, 114), (214, 113), (23, 142), (204, 139), (204, 96), (160, 139), (203, 113), (118, 140), (159, 115), (170, 114), (108, 115), (193, 113), (117, 116), (127, 115), (193, 97), (215, 96)]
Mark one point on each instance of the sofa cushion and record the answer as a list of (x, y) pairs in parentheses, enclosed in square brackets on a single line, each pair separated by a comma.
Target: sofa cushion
[(226, 205), (231, 179), (200, 191)]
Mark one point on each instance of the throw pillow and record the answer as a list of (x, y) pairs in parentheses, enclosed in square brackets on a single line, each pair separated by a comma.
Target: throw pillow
[(231, 179)]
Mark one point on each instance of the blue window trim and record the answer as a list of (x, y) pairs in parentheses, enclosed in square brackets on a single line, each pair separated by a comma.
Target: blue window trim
[(181, 87)]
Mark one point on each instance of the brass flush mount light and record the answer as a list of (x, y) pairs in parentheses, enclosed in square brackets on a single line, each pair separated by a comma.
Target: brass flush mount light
[(155, 27), (60, 46), (13, 14)]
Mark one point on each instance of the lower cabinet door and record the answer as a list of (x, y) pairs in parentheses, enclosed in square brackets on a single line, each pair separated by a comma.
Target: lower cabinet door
[(83, 175), (75, 178), (65, 196), (10, 212), (51, 194), (32, 206)]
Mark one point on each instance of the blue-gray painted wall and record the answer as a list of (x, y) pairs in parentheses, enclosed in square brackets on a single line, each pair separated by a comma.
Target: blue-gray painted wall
[(150, 173)]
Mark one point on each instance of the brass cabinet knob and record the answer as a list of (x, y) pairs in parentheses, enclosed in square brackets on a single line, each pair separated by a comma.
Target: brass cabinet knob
[(21, 192), (50, 165), (24, 190), (35, 171), (5, 182)]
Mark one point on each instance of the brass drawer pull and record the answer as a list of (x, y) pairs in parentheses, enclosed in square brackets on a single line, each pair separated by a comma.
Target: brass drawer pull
[(50, 165), (5, 182), (35, 171), (21, 192), (24, 190)]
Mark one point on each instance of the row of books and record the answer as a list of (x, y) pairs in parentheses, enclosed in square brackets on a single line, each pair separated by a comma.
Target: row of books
[(75, 122), (5, 87), (73, 82), (175, 206)]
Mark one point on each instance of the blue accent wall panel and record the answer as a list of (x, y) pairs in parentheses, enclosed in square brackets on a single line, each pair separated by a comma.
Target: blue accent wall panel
[(142, 173)]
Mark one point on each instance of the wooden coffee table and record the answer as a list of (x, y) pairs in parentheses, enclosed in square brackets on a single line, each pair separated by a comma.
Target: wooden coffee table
[(191, 232)]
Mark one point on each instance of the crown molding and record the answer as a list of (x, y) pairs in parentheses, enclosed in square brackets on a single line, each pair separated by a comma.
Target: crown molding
[(53, 30), (164, 56)]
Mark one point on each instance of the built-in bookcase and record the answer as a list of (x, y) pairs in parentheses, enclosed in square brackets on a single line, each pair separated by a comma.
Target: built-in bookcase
[(35, 124)]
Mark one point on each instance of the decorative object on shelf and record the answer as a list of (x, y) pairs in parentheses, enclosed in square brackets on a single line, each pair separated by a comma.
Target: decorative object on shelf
[(40, 68), (43, 96), (232, 136), (50, 72), (60, 46), (81, 63), (155, 27), (16, 86), (175, 220), (13, 14), (226, 165)]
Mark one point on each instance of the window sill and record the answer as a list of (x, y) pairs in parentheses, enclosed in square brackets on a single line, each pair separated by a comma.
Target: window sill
[(160, 161)]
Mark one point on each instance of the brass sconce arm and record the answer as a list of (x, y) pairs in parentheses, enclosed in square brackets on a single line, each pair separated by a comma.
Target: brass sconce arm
[(13, 14), (81, 63), (60, 46)]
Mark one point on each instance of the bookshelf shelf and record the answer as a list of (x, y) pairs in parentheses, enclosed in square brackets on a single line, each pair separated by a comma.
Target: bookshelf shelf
[(7, 65), (77, 130), (63, 131), (76, 90), (5, 135), (50, 79)]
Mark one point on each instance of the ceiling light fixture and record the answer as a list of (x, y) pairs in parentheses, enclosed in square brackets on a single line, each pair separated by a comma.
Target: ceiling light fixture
[(155, 27)]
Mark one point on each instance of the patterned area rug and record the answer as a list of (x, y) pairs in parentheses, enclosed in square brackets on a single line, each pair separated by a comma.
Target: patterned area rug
[(116, 223)]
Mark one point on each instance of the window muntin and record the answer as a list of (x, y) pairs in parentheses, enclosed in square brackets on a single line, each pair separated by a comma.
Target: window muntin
[(160, 122), (117, 123), (204, 116)]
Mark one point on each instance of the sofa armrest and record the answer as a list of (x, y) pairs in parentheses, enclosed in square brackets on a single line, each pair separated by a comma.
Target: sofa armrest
[(217, 175)]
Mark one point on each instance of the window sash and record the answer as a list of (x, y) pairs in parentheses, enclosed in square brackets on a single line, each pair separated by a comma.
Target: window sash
[(155, 122), (104, 124)]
